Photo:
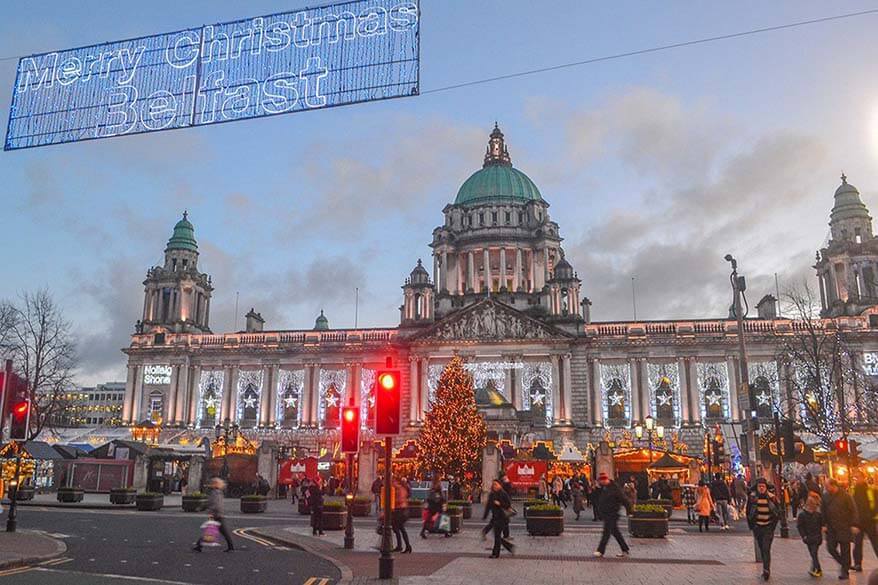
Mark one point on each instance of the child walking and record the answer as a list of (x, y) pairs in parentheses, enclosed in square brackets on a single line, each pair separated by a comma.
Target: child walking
[(810, 525)]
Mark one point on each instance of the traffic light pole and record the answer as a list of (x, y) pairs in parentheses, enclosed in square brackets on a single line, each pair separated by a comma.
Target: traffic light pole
[(778, 480), (12, 519), (349, 500), (385, 561)]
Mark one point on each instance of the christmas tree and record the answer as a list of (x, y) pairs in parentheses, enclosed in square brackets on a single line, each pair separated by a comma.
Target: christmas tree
[(453, 435)]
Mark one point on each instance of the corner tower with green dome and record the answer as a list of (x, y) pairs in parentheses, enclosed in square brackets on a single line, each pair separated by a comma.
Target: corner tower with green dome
[(847, 267), (499, 240), (176, 294)]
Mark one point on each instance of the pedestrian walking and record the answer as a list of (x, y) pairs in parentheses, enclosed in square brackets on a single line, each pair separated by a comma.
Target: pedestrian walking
[(376, 493), (500, 507), (558, 491), (762, 517), (314, 499), (839, 516), (688, 498), (400, 516), (595, 499), (866, 504), (543, 489), (215, 501), (630, 490), (719, 492), (435, 503), (809, 522), (609, 503), (739, 486), (703, 506), (576, 491)]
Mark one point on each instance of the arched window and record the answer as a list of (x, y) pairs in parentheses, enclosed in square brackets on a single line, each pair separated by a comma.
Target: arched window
[(616, 402), (713, 399), (210, 402), (289, 403), (538, 394), (764, 399), (156, 404), (250, 406), (664, 401), (332, 401)]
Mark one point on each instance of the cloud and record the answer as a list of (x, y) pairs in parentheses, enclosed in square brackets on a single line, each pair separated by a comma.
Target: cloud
[(705, 193)]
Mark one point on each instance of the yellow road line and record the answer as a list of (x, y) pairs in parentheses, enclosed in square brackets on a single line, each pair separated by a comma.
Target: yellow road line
[(15, 571), (242, 532)]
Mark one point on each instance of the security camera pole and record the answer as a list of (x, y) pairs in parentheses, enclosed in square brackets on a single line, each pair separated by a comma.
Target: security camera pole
[(745, 400)]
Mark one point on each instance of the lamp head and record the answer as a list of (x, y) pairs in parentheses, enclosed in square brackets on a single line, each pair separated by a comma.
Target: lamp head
[(650, 423), (728, 258)]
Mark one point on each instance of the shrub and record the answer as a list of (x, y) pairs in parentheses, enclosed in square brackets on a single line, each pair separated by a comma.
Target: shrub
[(333, 505), (196, 495), (151, 494), (452, 508), (649, 508), (123, 490), (543, 507), (362, 500), (253, 498), (534, 502), (458, 503)]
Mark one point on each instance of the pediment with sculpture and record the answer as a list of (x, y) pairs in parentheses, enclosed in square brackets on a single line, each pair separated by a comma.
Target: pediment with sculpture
[(490, 320)]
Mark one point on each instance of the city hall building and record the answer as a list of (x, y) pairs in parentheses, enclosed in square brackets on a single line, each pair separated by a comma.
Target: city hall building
[(500, 293)]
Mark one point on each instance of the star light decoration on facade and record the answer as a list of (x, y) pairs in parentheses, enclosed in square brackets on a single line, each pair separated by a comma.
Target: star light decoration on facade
[(664, 399), (616, 399), (763, 398), (249, 402), (538, 399), (210, 402), (290, 401), (331, 400), (713, 398)]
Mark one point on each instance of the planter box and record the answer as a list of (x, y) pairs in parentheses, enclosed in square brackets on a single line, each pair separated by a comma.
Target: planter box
[(70, 495), (149, 503), (24, 493), (465, 507), (526, 505), (648, 526), (545, 523), (254, 506), (361, 509), (415, 510), (304, 509), (194, 504), (668, 505), (333, 519), (122, 497)]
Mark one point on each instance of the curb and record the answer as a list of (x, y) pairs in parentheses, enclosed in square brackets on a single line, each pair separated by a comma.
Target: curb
[(60, 549), (347, 576)]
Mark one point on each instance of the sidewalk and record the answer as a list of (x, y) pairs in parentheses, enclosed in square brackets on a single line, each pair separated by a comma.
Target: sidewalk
[(684, 557), (26, 547)]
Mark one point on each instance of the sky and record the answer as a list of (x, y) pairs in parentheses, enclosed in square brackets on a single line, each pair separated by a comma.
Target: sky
[(655, 166)]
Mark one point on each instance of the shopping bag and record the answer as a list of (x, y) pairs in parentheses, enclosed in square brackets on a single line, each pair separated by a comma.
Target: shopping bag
[(210, 533), (733, 513), (444, 523)]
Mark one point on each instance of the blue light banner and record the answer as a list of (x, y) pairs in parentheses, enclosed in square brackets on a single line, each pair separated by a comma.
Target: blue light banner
[(334, 55)]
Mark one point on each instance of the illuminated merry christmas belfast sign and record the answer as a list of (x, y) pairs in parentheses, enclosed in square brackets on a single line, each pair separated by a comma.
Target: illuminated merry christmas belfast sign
[(333, 55)]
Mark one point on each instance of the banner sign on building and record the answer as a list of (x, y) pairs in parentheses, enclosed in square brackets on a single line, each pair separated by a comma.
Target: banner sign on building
[(346, 53), (526, 473)]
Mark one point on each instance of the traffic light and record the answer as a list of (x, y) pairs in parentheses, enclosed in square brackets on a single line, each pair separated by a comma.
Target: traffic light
[(350, 429), (19, 409), (841, 447), (854, 448), (719, 452), (388, 401), (789, 440)]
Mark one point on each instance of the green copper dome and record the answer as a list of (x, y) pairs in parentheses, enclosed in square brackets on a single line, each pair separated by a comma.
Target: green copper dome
[(848, 204), (322, 323), (184, 235), (497, 179)]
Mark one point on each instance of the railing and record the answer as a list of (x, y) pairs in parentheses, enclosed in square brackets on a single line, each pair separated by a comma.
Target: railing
[(268, 338), (722, 327)]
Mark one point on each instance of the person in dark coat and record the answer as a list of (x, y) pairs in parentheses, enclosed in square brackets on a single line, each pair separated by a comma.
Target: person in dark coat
[(499, 505), (810, 525), (763, 514), (435, 503), (866, 504), (839, 516), (315, 503), (610, 502), (595, 499), (719, 492)]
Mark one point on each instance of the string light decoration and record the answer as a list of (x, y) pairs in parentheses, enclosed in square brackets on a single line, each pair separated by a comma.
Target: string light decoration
[(713, 383), (454, 433), (289, 396), (664, 392)]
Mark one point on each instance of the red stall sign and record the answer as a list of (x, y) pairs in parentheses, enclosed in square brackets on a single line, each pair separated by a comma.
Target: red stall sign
[(296, 469), (526, 473)]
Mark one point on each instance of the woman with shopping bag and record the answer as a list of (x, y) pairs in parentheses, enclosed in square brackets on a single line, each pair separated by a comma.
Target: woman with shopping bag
[(215, 511)]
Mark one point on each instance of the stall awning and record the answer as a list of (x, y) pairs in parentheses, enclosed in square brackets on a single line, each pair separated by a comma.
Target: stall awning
[(667, 463)]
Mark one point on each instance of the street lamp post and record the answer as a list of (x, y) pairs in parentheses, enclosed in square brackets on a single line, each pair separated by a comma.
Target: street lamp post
[(652, 431), (227, 431)]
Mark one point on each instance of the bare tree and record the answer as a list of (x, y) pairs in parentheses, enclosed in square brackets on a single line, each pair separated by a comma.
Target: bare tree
[(41, 346), (828, 390)]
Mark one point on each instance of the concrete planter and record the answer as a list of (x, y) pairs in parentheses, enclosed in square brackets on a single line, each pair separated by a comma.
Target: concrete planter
[(334, 518), (456, 517), (254, 504), (545, 522), (70, 495), (648, 525), (361, 508), (25, 493), (122, 497), (149, 502), (194, 503)]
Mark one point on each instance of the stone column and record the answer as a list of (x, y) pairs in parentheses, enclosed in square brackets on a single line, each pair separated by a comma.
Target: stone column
[(646, 405), (685, 416), (487, 271), (503, 268), (356, 382), (414, 393), (194, 395), (461, 280), (137, 404), (557, 404), (436, 268), (734, 377), (516, 384), (694, 391), (822, 291), (443, 273), (305, 398), (179, 418), (169, 405), (128, 404), (568, 387), (597, 399), (424, 388), (635, 389), (546, 275), (265, 395), (533, 272), (516, 275), (471, 270), (314, 394)]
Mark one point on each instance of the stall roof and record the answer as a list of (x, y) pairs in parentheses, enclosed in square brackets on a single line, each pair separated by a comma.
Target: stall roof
[(70, 451), (667, 463), (41, 450)]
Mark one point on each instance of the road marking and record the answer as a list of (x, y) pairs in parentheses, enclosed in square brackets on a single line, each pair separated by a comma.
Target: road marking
[(53, 562), (242, 532), (112, 576), (316, 581), (15, 571)]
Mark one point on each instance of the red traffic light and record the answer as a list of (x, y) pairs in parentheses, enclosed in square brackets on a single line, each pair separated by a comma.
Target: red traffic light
[(20, 409), (388, 401), (841, 446), (350, 429)]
